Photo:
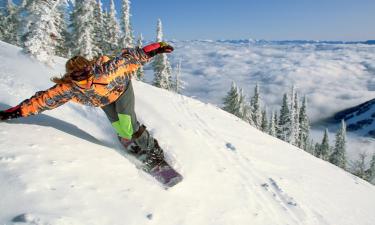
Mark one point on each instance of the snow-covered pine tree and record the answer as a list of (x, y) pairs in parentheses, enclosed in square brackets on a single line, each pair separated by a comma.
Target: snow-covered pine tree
[(256, 112), (264, 123), (245, 109), (3, 25), (161, 65), (371, 170), (140, 72), (338, 157), (41, 41), (294, 117), (316, 149), (9, 23), (99, 29), (358, 167), (112, 31), (83, 29), (304, 125), (284, 125), (231, 100), (179, 85), (324, 150), (127, 40), (140, 41), (26, 10), (159, 31), (23, 3), (243, 106), (60, 20), (70, 40), (272, 125)]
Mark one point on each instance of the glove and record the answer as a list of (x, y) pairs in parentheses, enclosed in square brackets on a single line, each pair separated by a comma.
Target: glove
[(157, 48), (11, 113)]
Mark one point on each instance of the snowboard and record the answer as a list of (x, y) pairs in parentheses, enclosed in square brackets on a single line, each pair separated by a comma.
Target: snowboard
[(165, 174)]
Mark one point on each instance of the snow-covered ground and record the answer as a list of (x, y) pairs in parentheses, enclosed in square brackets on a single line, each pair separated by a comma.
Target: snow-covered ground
[(65, 166)]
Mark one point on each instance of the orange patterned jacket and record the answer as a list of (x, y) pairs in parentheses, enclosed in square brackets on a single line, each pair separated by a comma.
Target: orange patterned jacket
[(110, 80)]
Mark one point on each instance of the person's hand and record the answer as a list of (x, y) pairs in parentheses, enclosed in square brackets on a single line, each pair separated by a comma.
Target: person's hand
[(157, 48), (11, 113)]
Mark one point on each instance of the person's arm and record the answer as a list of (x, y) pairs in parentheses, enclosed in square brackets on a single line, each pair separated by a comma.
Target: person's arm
[(131, 59), (42, 100), (143, 55)]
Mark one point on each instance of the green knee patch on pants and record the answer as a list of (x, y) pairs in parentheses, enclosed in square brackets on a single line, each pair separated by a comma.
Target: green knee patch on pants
[(124, 126)]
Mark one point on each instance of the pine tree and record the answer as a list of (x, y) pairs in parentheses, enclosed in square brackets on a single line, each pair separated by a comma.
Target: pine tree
[(292, 115), (27, 8), (358, 167), (304, 125), (9, 23), (60, 20), (159, 31), (245, 109), (324, 150), (127, 40), (316, 149), (231, 100), (264, 123), (140, 72), (83, 29), (99, 29), (161, 65), (3, 25), (338, 157), (24, 3), (112, 31), (294, 118), (284, 131), (310, 147), (371, 171), (179, 85), (256, 112), (41, 41), (272, 125)]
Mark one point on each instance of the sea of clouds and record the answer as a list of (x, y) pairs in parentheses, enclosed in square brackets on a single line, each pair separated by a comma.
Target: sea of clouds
[(332, 76)]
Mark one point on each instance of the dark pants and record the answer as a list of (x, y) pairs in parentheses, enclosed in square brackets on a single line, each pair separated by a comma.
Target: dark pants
[(121, 114), (123, 118)]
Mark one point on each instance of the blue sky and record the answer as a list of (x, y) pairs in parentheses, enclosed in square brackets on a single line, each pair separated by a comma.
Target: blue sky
[(262, 19), (259, 19)]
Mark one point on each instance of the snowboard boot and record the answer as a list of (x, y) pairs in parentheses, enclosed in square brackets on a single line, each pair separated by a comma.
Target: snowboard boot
[(145, 148)]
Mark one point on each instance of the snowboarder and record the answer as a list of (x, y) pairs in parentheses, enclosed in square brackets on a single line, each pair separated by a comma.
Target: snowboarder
[(104, 82)]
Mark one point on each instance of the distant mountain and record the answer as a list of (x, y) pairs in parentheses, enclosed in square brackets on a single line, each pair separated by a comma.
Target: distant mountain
[(291, 42), (359, 119), (370, 42)]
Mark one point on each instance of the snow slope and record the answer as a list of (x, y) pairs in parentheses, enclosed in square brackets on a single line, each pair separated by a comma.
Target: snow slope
[(66, 167)]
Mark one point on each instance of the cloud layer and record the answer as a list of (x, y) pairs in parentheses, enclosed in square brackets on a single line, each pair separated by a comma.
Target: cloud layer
[(332, 76)]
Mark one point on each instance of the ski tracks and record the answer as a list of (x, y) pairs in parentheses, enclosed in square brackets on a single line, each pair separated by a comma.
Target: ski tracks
[(267, 195)]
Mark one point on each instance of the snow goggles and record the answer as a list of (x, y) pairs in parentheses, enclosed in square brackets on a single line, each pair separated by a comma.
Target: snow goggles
[(84, 82)]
